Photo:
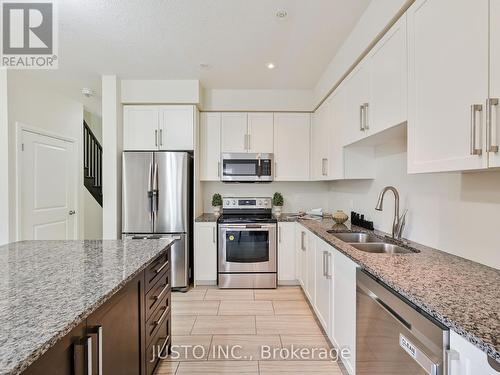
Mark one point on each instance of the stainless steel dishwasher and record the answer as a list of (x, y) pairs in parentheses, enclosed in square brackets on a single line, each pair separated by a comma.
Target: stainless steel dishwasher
[(393, 336)]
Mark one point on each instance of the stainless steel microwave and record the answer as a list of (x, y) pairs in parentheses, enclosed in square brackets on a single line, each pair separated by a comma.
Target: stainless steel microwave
[(247, 167)]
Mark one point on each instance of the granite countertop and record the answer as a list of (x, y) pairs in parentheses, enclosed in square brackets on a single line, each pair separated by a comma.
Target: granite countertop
[(461, 294), (206, 218), (49, 287)]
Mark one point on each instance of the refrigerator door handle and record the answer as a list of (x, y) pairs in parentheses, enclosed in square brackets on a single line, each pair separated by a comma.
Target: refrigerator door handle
[(150, 191), (155, 192)]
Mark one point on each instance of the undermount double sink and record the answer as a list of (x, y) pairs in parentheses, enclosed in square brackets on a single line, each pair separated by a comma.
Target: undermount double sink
[(370, 243)]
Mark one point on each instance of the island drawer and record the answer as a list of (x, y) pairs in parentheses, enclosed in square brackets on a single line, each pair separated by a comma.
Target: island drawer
[(156, 294), (159, 321), (159, 349), (154, 271)]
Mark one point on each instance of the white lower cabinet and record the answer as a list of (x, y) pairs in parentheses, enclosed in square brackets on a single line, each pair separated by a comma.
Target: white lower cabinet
[(301, 254), (286, 253), (310, 283), (205, 253), (324, 284), (466, 359), (344, 308)]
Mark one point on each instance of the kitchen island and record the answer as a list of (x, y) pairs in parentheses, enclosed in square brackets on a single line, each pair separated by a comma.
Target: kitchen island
[(63, 303)]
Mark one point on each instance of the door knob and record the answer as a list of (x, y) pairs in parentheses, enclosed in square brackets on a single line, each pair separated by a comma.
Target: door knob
[(72, 212)]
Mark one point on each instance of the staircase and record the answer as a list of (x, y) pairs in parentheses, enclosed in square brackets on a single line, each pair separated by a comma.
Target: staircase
[(92, 163)]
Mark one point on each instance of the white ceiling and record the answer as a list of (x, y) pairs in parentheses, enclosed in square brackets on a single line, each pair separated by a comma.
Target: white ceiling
[(168, 39)]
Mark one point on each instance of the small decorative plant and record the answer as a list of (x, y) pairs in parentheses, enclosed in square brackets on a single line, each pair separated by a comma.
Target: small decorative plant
[(277, 199), (277, 204), (216, 200), (216, 203)]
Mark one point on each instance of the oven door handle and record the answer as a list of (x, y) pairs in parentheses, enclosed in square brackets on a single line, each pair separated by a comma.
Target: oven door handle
[(253, 226)]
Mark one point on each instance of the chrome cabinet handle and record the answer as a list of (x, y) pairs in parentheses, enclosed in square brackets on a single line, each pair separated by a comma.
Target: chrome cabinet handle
[(324, 167), (99, 343), (72, 212), (365, 113), (490, 147), (158, 270), (324, 263), (213, 235), (279, 234), (302, 245), (361, 118), (218, 169), (165, 288), (89, 355), (475, 108), (328, 265), (275, 169), (161, 137), (249, 141), (161, 318), (156, 138)]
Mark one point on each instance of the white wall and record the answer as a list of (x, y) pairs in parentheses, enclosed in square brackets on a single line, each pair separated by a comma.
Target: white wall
[(4, 159), (112, 137), (160, 91), (37, 105), (93, 217), (454, 212), (257, 100), (373, 21), (298, 196)]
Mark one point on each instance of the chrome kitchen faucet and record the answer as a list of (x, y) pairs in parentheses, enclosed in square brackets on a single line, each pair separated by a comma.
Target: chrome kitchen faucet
[(399, 221)]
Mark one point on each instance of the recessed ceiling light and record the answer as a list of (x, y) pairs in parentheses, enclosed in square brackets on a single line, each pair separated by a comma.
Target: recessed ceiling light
[(270, 65), (204, 66), (281, 13)]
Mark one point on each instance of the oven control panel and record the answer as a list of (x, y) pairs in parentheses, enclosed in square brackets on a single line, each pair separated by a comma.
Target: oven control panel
[(244, 202)]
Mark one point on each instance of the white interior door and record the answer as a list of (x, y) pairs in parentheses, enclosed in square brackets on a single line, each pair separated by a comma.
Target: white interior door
[(48, 178)]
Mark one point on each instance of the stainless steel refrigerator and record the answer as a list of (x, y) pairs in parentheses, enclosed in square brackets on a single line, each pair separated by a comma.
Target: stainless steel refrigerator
[(157, 201)]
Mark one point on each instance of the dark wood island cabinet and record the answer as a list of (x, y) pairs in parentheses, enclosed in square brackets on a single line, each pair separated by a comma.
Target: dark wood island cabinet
[(124, 336)]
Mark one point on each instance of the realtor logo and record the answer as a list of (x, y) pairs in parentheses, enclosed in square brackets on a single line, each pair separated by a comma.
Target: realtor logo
[(29, 37)]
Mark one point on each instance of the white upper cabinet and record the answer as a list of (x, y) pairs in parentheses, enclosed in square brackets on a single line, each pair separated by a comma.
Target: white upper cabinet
[(176, 128), (356, 104), (234, 132), (494, 105), (260, 132), (335, 104), (210, 134), (147, 127), (140, 127), (388, 80), (291, 146), (320, 135), (447, 85)]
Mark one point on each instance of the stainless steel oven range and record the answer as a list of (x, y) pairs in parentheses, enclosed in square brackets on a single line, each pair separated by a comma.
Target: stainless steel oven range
[(247, 250)]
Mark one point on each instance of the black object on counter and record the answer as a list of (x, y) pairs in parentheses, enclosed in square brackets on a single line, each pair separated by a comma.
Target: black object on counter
[(359, 220)]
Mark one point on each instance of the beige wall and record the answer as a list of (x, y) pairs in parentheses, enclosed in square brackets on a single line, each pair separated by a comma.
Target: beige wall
[(454, 212), (36, 105)]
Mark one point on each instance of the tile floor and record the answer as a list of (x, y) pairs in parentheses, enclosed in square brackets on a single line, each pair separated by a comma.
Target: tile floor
[(207, 323)]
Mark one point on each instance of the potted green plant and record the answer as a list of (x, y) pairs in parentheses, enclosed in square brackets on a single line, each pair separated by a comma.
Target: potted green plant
[(277, 204), (217, 203)]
